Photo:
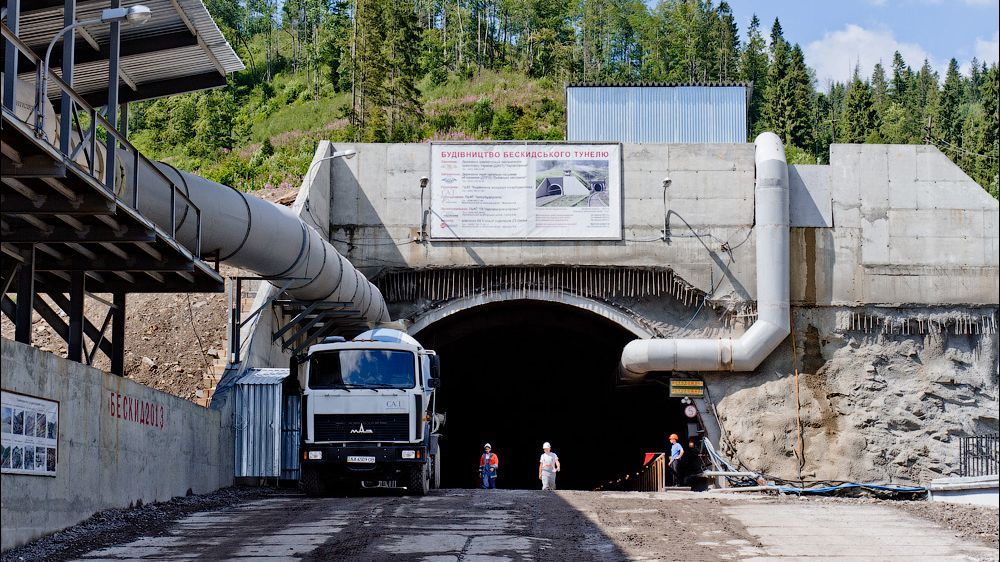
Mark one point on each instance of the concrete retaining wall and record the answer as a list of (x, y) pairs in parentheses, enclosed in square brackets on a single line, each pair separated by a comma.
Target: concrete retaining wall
[(107, 458)]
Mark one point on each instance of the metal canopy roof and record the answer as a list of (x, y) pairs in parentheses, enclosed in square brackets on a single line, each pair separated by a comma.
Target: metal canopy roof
[(180, 49)]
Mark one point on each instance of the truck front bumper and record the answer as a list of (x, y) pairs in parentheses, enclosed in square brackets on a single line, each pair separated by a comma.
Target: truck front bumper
[(341, 461)]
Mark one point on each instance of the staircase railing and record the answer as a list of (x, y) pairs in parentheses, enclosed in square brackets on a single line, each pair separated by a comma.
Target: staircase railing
[(652, 477)]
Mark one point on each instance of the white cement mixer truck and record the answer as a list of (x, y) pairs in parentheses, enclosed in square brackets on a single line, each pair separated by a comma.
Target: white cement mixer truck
[(368, 414)]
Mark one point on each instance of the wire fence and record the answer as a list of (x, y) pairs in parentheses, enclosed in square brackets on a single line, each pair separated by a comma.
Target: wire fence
[(979, 455)]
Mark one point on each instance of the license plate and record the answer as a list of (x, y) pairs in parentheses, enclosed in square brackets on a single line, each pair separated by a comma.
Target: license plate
[(358, 459)]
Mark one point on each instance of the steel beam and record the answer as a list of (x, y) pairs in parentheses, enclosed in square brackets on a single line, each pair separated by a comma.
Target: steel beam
[(16, 204), (111, 108), (10, 55), (118, 334), (68, 55), (136, 263), (91, 234), (74, 340), (25, 297)]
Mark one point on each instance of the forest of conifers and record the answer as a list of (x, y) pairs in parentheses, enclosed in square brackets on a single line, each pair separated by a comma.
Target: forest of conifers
[(411, 70)]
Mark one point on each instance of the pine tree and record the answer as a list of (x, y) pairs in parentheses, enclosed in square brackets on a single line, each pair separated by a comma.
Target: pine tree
[(949, 124), (860, 120), (402, 58), (901, 78), (775, 96), (990, 95), (880, 89), (799, 99), (753, 69), (728, 43)]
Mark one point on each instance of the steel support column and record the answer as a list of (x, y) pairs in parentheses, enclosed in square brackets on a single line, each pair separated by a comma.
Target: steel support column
[(118, 335), (111, 109), (11, 54), (68, 57), (25, 297), (74, 341)]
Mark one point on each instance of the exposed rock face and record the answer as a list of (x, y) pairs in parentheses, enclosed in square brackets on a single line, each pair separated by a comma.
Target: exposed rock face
[(874, 406)]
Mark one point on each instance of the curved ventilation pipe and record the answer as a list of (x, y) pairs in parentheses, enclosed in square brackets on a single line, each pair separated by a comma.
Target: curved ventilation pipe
[(257, 235), (772, 326)]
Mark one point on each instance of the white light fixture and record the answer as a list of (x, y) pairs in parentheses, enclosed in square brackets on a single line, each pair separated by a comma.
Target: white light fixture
[(136, 15)]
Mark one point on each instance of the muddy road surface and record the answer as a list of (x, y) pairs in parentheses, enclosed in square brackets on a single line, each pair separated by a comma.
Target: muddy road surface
[(532, 525)]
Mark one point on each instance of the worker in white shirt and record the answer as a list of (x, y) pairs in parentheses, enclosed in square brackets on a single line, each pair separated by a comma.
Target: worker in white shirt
[(548, 466)]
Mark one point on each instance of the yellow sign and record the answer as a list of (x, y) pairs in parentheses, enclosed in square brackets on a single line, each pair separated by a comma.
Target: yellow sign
[(693, 388)]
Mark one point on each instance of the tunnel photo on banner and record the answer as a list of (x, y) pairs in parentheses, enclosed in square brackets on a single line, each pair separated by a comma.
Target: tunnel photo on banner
[(518, 191)]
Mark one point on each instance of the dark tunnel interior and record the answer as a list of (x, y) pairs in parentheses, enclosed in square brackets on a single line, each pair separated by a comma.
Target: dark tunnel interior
[(518, 373)]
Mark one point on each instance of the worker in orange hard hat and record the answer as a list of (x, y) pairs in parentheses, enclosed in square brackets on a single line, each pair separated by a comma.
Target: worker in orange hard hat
[(488, 465), (674, 463)]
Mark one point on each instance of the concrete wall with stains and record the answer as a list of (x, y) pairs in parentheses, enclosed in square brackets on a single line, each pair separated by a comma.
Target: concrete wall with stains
[(120, 443)]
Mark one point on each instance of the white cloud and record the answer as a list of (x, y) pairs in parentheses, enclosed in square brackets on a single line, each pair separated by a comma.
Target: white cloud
[(988, 50), (835, 55)]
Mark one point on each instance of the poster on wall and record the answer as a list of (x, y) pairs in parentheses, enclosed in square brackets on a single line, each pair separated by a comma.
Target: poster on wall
[(526, 191), (29, 431)]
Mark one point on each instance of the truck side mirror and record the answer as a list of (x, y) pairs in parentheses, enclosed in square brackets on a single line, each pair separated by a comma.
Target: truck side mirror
[(435, 367), (434, 382)]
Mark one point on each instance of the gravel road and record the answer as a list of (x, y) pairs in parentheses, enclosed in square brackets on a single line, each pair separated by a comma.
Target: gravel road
[(522, 525)]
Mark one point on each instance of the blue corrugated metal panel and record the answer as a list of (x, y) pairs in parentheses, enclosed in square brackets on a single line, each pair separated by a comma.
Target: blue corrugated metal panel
[(258, 423), (643, 114), (291, 432)]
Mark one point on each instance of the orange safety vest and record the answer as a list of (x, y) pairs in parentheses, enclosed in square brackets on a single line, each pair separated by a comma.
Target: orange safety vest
[(494, 460)]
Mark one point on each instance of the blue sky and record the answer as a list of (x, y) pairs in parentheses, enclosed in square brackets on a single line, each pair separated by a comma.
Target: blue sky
[(835, 34)]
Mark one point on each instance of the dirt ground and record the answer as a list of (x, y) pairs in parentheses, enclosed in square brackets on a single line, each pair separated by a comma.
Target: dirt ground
[(171, 340), (522, 525)]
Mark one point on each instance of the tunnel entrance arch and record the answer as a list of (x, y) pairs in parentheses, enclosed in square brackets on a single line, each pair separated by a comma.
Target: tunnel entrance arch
[(526, 367)]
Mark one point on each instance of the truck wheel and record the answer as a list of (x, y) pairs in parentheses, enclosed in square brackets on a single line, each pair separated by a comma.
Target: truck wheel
[(312, 483), (419, 480), (436, 470)]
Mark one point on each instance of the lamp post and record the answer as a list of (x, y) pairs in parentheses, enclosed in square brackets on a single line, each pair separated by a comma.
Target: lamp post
[(348, 154), (137, 15)]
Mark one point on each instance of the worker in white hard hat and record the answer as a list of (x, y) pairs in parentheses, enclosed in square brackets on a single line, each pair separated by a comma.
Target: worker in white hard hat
[(488, 465), (548, 466)]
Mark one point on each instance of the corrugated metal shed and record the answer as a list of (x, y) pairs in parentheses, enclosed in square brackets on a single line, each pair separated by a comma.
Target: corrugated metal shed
[(657, 112), (258, 422)]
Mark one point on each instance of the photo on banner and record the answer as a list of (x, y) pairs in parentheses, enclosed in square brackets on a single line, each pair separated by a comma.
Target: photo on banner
[(29, 431)]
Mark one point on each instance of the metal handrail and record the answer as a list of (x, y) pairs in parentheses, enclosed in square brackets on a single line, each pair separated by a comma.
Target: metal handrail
[(652, 477), (979, 455), (115, 138)]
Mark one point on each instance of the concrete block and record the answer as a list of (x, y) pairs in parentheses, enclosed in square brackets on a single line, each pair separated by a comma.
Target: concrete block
[(406, 183), (902, 162), (949, 194), (710, 185), (401, 212), (947, 223), (933, 165), (809, 201), (991, 223), (875, 242), (845, 173), (845, 267), (408, 158), (935, 250), (639, 184), (646, 157), (874, 177), (705, 212), (704, 157)]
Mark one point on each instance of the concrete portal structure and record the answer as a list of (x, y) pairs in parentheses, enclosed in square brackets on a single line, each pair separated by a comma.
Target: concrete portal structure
[(894, 293)]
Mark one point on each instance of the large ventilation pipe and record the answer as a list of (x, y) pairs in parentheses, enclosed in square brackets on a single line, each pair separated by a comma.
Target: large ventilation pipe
[(240, 229), (772, 326), (257, 235)]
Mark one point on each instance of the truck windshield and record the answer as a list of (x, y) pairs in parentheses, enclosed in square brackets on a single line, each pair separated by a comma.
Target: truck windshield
[(361, 368)]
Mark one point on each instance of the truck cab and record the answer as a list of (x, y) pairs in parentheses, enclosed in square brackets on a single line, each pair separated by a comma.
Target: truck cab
[(369, 417)]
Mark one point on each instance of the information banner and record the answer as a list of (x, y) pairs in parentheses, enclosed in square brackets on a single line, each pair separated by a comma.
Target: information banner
[(533, 191), (29, 431)]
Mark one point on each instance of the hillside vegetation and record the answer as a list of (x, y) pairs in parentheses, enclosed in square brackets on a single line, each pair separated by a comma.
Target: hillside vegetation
[(417, 70)]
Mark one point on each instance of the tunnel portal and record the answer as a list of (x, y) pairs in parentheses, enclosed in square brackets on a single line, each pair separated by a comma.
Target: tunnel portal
[(521, 372)]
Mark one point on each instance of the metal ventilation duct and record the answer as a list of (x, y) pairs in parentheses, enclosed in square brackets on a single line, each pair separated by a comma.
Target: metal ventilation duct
[(773, 324), (259, 236)]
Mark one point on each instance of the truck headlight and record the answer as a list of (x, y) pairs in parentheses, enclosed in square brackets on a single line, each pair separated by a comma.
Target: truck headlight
[(409, 454), (315, 455)]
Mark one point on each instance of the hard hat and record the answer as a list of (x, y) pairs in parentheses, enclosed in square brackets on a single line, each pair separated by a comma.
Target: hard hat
[(674, 437), (546, 445), (487, 446)]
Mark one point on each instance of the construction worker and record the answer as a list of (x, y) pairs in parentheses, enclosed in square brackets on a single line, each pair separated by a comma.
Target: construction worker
[(548, 466), (676, 454), (488, 464)]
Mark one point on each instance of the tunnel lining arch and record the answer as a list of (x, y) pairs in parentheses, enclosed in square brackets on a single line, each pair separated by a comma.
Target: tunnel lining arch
[(606, 311)]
